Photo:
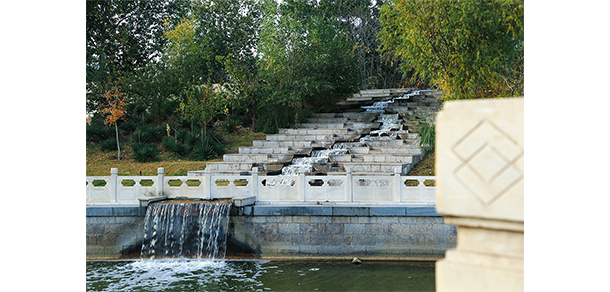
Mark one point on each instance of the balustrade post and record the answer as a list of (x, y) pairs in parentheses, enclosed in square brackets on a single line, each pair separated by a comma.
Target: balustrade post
[(349, 184), (208, 183), (302, 185), (114, 185), (254, 182), (160, 181), (397, 182)]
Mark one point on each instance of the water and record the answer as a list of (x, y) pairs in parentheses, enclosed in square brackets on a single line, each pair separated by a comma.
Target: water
[(257, 275), (186, 229), (305, 164), (378, 106)]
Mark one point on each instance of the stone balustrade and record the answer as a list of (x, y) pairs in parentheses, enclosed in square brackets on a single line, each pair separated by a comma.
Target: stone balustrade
[(344, 187)]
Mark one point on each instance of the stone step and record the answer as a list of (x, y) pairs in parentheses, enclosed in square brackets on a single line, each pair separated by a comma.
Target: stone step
[(328, 137), (354, 126), (292, 144), (373, 143), (407, 149), (323, 125), (328, 120), (229, 166), (268, 150), (343, 158), (258, 158), (324, 115), (376, 167), (337, 131)]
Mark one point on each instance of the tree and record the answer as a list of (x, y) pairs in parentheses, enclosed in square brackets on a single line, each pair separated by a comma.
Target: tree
[(114, 110), (471, 49), (307, 60), (124, 36), (201, 104)]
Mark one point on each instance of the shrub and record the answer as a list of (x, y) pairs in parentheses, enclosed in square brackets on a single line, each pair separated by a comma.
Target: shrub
[(96, 133), (148, 134), (175, 147), (202, 153), (144, 152), (231, 125), (427, 135), (108, 145)]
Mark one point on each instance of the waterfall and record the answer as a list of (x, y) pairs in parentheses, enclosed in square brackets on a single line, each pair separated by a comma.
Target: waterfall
[(186, 230)]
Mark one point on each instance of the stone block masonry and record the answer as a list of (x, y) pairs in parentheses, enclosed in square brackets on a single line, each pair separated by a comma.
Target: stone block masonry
[(294, 232), (114, 232), (380, 233)]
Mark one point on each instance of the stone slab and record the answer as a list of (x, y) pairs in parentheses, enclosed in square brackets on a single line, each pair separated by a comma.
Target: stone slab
[(422, 211), (480, 158)]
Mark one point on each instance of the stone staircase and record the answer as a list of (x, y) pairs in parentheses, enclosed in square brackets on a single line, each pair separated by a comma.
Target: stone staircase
[(353, 130)]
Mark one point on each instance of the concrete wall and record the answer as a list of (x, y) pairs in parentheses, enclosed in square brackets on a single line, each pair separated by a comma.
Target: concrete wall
[(306, 231)]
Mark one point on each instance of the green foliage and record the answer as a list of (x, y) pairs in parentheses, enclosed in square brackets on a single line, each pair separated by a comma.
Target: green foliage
[(148, 134), (308, 61), (99, 133), (176, 147), (202, 153), (122, 37), (109, 145), (471, 49), (427, 135), (144, 152), (231, 125)]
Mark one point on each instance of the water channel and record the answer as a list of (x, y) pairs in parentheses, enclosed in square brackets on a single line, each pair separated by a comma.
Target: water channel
[(258, 275)]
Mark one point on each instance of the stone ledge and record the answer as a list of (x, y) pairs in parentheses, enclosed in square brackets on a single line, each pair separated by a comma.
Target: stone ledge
[(111, 211), (288, 210), (364, 211)]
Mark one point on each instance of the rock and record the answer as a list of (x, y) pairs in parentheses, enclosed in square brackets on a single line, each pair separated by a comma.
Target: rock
[(356, 261)]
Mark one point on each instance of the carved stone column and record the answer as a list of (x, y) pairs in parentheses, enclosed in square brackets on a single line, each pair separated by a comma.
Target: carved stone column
[(479, 188)]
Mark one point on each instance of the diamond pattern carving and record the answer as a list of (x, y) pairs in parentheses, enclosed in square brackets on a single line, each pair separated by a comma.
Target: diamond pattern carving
[(488, 158)]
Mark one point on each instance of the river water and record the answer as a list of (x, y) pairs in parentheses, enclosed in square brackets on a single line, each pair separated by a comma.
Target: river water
[(258, 275)]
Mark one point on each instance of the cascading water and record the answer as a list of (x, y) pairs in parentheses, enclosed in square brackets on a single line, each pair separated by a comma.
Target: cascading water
[(186, 230), (391, 126), (305, 164)]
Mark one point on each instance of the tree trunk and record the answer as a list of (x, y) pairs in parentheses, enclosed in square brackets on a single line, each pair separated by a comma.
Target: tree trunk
[(254, 119), (116, 129)]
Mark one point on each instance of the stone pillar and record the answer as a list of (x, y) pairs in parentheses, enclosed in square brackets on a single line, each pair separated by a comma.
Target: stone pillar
[(479, 188), (254, 181), (208, 183), (302, 183), (114, 185), (160, 181), (349, 184), (397, 181)]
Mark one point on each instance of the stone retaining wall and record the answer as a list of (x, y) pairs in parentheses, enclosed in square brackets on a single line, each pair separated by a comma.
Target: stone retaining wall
[(313, 232), (114, 232)]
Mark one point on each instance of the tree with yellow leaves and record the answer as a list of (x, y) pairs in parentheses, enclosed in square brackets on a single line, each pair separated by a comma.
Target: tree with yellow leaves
[(114, 110), (470, 49)]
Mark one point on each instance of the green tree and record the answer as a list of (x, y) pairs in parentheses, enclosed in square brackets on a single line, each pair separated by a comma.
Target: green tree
[(201, 104), (307, 60), (471, 49), (122, 37)]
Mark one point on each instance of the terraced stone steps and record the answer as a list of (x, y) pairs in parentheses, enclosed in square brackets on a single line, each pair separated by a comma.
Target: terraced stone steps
[(372, 154)]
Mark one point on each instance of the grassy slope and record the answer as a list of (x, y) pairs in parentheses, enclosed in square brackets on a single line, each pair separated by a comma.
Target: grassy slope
[(100, 162)]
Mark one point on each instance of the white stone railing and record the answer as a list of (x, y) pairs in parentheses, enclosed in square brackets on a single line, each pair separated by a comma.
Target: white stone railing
[(341, 188)]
